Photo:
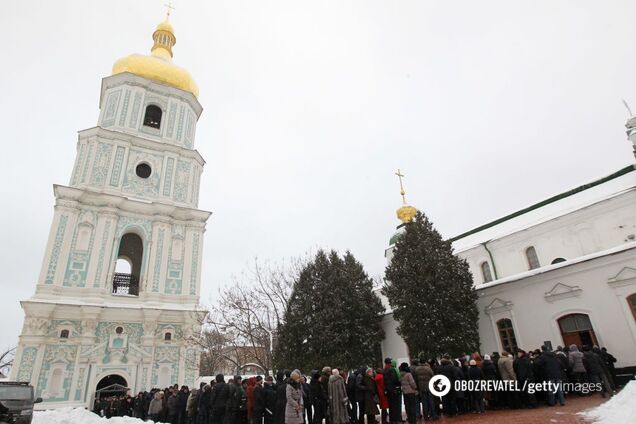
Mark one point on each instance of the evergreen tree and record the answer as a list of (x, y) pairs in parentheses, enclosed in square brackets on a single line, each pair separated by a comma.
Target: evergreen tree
[(431, 293), (333, 317)]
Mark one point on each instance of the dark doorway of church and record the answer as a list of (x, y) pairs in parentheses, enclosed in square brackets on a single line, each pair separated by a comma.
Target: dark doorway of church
[(111, 385), (577, 329)]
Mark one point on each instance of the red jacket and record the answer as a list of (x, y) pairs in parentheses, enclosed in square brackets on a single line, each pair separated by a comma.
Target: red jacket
[(379, 381)]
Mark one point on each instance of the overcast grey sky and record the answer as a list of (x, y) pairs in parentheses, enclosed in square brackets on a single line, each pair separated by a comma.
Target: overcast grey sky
[(310, 106)]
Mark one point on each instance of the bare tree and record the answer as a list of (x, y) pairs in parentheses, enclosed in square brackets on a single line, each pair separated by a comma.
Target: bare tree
[(241, 324), (6, 360)]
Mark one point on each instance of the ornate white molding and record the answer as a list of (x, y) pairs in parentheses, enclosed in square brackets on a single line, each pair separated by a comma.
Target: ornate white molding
[(498, 305), (625, 277), (562, 291)]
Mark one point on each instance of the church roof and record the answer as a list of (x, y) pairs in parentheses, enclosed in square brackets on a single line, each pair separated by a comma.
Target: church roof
[(569, 201)]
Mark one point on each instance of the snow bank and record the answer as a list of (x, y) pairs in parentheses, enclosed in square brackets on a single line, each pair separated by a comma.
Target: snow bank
[(620, 409), (79, 416)]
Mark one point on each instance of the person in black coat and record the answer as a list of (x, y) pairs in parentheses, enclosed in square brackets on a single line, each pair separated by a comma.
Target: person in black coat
[(183, 395), (524, 373), (393, 390), (269, 391), (447, 369), (203, 405), (351, 394), (552, 369), (218, 400), (307, 400), (476, 375), (281, 396), (595, 371), (258, 401), (360, 392)]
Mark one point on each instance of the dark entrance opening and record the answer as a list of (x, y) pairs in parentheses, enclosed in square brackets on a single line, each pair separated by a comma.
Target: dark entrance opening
[(577, 329), (128, 266), (111, 385)]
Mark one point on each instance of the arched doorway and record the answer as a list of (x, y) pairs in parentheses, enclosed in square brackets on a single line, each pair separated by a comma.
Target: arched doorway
[(577, 329), (111, 385)]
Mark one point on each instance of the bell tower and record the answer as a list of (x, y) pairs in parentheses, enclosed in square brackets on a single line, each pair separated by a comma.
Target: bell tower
[(118, 292)]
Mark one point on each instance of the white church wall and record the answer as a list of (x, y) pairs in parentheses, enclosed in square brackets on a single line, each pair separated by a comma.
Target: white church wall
[(600, 226), (535, 303)]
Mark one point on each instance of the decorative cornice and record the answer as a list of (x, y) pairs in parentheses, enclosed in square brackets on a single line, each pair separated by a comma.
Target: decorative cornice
[(498, 305), (562, 291), (625, 277)]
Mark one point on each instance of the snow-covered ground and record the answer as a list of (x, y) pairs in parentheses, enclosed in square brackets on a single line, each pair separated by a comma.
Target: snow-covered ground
[(620, 409), (79, 416)]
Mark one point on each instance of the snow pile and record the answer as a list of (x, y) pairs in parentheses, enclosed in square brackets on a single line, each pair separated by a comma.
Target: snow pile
[(619, 409), (79, 416)]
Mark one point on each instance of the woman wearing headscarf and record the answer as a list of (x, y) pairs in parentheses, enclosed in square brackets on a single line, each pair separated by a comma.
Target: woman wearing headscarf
[(294, 409), (370, 396), (409, 391), (338, 400)]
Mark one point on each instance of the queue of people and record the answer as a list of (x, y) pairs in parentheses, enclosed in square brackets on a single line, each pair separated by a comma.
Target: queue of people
[(382, 395)]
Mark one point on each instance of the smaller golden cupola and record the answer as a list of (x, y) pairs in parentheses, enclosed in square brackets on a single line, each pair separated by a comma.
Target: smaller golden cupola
[(405, 213)]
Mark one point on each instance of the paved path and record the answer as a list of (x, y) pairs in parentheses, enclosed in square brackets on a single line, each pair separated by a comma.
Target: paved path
[(542, 415)]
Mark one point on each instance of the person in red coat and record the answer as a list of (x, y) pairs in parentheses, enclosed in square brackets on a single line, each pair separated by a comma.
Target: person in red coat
[(251, 383), (383, 401)]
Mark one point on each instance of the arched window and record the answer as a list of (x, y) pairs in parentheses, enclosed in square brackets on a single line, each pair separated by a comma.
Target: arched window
[(128, 265), (507, 335), (64, 334), (152, 118), (167, 336), (533, 259), (577, 329), (631, 300), (558, 260), (485, 272)]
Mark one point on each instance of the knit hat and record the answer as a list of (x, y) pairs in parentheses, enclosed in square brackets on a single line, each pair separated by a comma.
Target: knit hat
[(473, 362), (486, 357)]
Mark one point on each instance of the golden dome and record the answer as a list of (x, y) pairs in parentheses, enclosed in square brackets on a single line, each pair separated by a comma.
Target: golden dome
[(406, 213), (158, 66)]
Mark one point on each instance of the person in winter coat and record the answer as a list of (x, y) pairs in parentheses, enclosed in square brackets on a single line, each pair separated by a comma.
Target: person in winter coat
[(447, 369), (607, 378), (393, 390), (203, 407), (258, 401), (490, 373), (595, 370), (507, 373), (575, 358), (294, 408), (476, 375), (382, 399), (249, 392), (173, 408), (552, 369), (351, 394), (524, 373), (610, 360), (218, 400), (307, 399), (360, 394), (423, 375), (156, 406), (281, 396), (192, 407), (318, 398), (338, 400), (183, 395), (461, 401), (370, 403), (270, 400), (409, 391)]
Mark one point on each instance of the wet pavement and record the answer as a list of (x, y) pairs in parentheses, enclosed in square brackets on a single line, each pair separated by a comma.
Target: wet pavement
[(541, 415)]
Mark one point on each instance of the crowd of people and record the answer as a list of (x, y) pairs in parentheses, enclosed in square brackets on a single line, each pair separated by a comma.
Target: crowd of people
[(377, 395)]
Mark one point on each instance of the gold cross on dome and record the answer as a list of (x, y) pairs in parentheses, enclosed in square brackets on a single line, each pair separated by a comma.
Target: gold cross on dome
[(169, 9), (402, 192)]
